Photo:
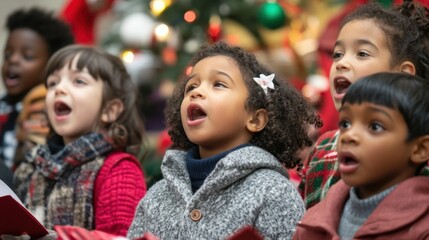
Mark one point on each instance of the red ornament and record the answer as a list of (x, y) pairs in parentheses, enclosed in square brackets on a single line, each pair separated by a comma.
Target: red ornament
[(215, 29), (214, 32)]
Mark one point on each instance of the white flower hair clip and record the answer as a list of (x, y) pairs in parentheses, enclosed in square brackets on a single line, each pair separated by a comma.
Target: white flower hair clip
[(265, 81)]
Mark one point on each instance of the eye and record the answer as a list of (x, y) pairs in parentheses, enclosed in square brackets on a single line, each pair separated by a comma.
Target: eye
[(51, 83), (7, 55), (337, 55), (190, 87), (220, 84), (79, 81), (376, 127), (344, 124), (363, 54), (29, 56)]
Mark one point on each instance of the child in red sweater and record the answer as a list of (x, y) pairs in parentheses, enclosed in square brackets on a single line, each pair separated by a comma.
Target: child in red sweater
[(83, 176)]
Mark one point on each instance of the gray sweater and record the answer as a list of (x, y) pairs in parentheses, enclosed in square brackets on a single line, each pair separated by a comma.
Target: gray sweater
[(248, 187)]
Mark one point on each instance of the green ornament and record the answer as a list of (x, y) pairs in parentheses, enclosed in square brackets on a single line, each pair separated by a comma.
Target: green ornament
[(385, 3), (271, 15)]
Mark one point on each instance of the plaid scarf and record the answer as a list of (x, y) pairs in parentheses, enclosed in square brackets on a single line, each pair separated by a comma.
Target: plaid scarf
[(58, 188)]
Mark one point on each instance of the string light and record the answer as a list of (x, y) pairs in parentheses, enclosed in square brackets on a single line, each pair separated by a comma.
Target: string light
[(161, 32), (190, 16), (127, 56), (158, 6)]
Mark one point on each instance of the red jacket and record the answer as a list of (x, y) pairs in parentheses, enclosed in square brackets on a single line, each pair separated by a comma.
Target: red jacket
[(119, 187), (403, 214)]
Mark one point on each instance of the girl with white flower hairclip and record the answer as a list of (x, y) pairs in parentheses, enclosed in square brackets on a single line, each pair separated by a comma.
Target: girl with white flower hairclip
[(234, 128)]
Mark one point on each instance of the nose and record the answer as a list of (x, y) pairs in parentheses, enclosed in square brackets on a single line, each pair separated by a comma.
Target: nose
[(342, 64), (13, 57), (197, 93), (349, 136), (60, 88)]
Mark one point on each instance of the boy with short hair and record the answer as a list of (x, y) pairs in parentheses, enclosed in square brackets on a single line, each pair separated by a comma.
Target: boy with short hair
[(34, 35), (383, 150)]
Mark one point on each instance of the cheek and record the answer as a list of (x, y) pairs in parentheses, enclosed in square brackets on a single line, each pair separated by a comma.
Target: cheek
[(331, 77), (36, 67), (49, 106), (183, 111)]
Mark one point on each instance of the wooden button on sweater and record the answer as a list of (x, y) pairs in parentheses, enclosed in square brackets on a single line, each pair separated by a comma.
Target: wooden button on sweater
[(195, 215)]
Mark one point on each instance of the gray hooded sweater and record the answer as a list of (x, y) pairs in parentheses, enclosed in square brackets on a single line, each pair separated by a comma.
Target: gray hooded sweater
[(248, 187)]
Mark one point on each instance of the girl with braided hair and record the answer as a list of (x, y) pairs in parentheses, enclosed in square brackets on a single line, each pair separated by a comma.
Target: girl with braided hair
[(371, 39)]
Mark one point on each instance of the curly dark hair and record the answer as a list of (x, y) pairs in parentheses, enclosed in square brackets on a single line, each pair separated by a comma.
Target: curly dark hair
[(54, 31), (127, 131), (406, 28), (289, 113)]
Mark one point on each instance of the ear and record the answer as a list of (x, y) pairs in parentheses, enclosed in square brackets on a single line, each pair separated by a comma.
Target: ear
[(408, 67), (420, 152), (112, 110), (258, 121)]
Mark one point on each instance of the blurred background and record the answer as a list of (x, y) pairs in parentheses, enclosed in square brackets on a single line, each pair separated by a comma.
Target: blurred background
[(156, 38)]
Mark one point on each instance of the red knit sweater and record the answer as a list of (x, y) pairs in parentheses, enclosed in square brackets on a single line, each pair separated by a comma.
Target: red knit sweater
[(118, 189)]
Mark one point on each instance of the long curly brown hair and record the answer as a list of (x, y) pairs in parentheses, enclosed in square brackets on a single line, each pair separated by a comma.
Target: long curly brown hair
[(289, 113)]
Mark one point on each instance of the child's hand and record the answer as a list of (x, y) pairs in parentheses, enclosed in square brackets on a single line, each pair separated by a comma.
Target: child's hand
[(52, 235), (11, 237)]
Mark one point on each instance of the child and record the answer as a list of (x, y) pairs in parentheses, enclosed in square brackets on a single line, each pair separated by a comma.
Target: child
[(234, 127), (82, 176), (383, 145), (372, 39), (32, 125), (34, 35)]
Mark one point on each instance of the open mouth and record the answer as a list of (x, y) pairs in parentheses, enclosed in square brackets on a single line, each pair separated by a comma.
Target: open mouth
[(12, 75), (195, 112), (341, 85), (61, 109), (348, 160), (348, 163), (11, 78)]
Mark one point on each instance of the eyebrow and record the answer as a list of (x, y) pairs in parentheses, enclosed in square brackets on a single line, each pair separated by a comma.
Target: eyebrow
[(372, 109), (216, 72), (224, 74), (358, 41), (376, 109)]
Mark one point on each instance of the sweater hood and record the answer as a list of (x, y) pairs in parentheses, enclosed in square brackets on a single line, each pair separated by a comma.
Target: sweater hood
[(230, 169)]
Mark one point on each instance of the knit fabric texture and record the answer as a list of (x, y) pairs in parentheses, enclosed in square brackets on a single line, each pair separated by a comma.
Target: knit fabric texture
[(356, 211), (59, 189), (321, 169), (82, 184), (199, 169), (118, 189), (248, 187), (402, 214)]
